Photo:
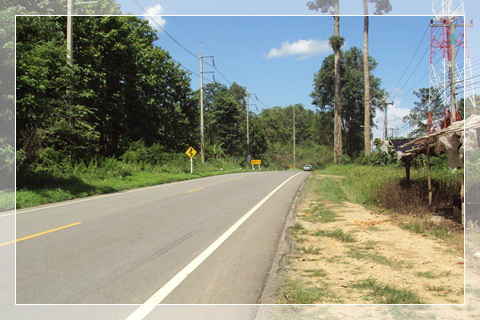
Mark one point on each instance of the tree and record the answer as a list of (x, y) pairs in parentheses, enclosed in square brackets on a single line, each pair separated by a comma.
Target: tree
[(123, 89), (417, 118), (323, 95), (224, 118), (381, 6), (336, 42), (276, 125), (239, 93)]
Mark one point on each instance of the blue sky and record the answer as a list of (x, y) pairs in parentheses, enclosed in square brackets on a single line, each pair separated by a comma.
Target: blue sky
[(278, 56)]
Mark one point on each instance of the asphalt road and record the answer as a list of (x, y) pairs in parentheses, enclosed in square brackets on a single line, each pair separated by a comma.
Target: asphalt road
[(126, 247)]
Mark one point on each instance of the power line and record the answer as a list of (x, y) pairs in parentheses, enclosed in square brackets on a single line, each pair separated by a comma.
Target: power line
[(219, 72), (185, 48), (166, 32), (411, 74), (410, 62), (440, 93)]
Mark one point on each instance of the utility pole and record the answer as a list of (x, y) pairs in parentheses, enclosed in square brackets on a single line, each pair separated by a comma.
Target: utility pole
[(448, 35), (453, 102), (202, 134), (202, 143), (294, 140), (249, 157), (69, 32), (391, 132), (248, 126), (70, 4), (385, 130)]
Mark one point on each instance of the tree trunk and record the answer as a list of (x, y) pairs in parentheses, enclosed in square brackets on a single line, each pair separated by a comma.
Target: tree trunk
[(337, 130), (366, 76)]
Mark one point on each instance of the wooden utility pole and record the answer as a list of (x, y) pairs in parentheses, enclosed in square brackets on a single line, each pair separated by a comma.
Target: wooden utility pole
[(429, 173), (366, 80)]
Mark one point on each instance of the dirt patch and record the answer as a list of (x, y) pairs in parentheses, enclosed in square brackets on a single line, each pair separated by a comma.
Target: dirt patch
[(348, 254)]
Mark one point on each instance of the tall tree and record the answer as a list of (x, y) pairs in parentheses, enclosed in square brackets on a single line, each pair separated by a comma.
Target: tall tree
[(381, 6), (124, 89), (416, 117), (224, 119), (336, 42), (351, 64)]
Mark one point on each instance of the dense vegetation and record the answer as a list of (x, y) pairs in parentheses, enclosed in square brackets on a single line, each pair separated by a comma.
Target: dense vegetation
[(122, 113), (121, 92)]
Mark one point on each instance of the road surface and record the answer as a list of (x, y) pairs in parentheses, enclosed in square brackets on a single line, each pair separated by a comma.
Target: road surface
[(204, 241)]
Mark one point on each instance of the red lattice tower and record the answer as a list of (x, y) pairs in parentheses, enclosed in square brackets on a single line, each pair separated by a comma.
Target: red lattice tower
[(447, 43)]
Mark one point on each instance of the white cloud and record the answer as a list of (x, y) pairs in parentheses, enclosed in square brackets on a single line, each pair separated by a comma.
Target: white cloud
[(303, 48), (156, 10)]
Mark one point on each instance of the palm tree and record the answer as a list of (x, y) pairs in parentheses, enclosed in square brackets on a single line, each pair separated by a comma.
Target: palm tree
[(336, 42), (381, 6)]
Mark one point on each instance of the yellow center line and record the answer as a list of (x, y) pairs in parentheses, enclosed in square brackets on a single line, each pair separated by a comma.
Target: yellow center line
[(238, 179), (195, 190), (39, 234)]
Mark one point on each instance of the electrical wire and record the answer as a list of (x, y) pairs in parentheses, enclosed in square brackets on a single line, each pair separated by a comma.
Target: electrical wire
[(166, 32), (411, 59), (185, 48), (440, 93)]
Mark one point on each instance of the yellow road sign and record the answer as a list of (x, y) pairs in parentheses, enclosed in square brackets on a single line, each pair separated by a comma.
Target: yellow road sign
[(256, 162), (191, 152)]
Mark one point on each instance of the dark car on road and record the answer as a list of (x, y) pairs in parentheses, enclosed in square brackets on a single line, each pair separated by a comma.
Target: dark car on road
[(308, 167)]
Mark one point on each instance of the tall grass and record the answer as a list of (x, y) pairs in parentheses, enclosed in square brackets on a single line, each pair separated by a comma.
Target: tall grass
[(386, 187)]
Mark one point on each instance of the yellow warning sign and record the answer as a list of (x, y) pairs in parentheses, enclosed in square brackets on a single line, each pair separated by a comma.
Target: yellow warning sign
[(191, 152), (256, 162)]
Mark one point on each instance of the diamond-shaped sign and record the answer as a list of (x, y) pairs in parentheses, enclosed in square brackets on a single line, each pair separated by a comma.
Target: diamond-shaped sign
[(191, 152)]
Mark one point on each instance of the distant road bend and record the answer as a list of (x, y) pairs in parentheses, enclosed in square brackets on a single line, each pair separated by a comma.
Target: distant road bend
[(203, 241)]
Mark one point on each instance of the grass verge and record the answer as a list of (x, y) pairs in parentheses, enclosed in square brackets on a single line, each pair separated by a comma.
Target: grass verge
[(78, 188), (296, 292), (386, 294), (336, 234), (320, 214), (356, 253)]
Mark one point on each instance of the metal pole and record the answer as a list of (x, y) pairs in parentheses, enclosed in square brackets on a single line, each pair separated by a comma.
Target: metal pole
[(191, 165), (202, 155), (452, 71), (294, 142)]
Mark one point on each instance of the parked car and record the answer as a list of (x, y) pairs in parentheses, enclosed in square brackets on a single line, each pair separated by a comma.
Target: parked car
[(308, 168)]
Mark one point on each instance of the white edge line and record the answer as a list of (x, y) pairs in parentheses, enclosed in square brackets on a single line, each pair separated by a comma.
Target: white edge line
[(7, 214), (148, 306)]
